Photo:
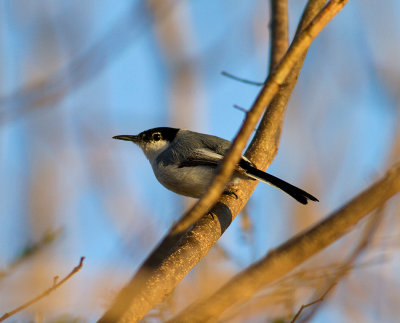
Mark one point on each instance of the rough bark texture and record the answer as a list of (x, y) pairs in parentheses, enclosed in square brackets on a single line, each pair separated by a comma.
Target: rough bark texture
[(170, 262), (294, 252)]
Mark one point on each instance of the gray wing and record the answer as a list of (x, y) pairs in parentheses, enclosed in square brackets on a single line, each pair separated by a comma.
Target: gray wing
[(206, 150), (215, 144), (194, 149)]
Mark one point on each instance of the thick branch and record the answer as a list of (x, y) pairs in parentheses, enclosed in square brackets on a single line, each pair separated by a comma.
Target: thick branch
[(294, 252), (264, 145), (267, 93), (279, 31), (165, 267)]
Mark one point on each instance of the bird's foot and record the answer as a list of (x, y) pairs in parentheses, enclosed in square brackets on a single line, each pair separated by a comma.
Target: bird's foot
[(231, 193)]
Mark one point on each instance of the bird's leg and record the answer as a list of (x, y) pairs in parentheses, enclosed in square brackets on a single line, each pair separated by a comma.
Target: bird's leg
[(231, 193), (212, 214)]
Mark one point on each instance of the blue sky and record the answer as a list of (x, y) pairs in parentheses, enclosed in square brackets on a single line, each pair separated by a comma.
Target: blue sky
[(59, 167)]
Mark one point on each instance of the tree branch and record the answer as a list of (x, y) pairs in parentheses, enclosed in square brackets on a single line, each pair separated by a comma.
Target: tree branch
[(264, 145), (282, 260), (240, 79), (47, 292), (30, 250), (49, 91), (170, 262), (267, 93), (279, 31), (363, 244)]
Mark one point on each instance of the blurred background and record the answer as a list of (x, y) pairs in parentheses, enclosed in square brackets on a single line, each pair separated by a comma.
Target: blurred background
[(75, 73)]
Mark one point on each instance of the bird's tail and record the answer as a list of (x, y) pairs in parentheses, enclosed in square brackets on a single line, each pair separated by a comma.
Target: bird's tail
[(293, 191)]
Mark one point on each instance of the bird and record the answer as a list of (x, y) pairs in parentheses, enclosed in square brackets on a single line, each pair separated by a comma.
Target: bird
[(186, 162)]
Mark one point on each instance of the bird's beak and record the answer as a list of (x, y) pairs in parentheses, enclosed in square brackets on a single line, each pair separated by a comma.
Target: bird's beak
[(127, 137)]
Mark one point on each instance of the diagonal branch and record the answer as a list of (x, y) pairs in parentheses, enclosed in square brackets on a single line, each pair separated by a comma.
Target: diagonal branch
[(47, 292), (264, 145), (31, 250), (267, 93), (344, 270), (364, 242), (282, 260), (170, 262), (49, 91)]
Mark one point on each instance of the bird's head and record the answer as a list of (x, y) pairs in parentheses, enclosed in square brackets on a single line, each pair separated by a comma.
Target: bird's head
[(152, 141)]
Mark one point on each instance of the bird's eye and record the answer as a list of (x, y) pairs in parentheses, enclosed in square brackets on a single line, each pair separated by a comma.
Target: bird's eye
[(156, 136)]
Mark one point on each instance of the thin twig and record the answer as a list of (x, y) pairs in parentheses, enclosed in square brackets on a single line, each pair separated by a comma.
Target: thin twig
[(144, 290), (264, 145), (46, 292), (242, 80), (271, 87), (348, 265), (364, 243), (240, 108), (303, 307)]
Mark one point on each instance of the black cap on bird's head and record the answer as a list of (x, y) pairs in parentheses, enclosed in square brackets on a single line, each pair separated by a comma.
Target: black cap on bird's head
[(151, 135), (185, 150), (152, 141)]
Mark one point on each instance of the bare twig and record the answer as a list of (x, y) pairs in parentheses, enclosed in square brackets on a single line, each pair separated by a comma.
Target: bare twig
[(364, 242), (240, 108), (271, 87), (165, 267), (46, 292), (264, 146), (303, 307), (279, 38), (281, 292), (236, 78)]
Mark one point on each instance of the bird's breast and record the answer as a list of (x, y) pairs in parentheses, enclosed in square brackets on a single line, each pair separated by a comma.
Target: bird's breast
[(188, 181)]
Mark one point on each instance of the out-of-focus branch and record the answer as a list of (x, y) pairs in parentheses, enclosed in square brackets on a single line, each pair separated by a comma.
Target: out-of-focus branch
[(30, 250), (176, 38), (264, 145), (279, 31), (348, 265), (279, 27), (363, 244), (170, 262), (47, 92), (47, 292), (280, 261), (267, 93)]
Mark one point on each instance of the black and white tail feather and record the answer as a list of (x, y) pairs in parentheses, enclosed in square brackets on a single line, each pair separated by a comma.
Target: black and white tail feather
[(185, 162), (295, 192), (207, 157)]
